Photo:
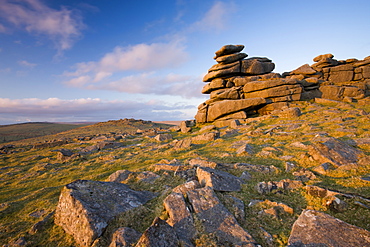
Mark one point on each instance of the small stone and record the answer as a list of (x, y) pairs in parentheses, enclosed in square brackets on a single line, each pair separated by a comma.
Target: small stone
[(246, 176), (163, 137), (338, 205), (147, 177), (245, 149), (119, 176)]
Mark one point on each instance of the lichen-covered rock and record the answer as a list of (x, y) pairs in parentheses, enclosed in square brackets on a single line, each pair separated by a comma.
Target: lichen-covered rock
[(218, 180), (225, 107), (257, 66), (119, 176), (217, 219), (314, 228), (159, 234), (124, 237), (180, 218), (335, 152), (85, 207)]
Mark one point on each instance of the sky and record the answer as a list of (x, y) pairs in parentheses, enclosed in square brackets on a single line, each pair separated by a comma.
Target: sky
[(94, 60)]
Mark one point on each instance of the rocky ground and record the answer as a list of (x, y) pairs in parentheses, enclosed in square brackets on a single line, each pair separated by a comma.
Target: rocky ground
[(299, 177)]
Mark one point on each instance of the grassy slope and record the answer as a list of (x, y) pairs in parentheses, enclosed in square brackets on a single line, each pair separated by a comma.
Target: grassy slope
[(14, 132), (31, 180)]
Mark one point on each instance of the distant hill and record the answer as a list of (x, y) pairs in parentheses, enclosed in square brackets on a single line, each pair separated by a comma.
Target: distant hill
[(44, 131), (15, 132)]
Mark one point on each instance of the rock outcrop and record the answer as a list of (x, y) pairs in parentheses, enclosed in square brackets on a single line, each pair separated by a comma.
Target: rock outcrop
[(314, 228), (240, 87), (85, 207)]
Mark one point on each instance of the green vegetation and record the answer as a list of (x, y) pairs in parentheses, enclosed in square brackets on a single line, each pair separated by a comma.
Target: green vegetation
[(31, 179), (15, 132)]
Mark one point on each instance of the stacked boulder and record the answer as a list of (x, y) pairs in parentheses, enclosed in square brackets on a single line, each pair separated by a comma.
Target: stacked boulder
[(341, 80), (240, 87)]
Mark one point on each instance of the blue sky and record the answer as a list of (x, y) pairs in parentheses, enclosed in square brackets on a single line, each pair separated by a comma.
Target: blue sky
[(93, 60)]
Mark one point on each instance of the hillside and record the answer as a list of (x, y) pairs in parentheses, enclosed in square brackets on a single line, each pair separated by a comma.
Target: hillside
[(279, 158), (15, 132)]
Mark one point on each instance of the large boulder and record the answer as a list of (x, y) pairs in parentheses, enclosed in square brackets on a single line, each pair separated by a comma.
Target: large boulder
[(234, 70), (217, 220), (85, 207), (257, 66), (231, 58), (314, 228), (228, 49), (225, 107), (180, 218)]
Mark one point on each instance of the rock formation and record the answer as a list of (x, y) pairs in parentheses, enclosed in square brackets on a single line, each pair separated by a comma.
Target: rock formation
[(240, 87), (85, 207)]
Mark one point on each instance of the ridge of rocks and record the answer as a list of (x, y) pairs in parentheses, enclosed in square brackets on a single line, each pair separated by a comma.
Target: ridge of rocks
[(236, 78)]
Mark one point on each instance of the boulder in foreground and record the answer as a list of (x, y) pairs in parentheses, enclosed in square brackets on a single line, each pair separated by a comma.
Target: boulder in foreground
[(314, 228), (85, 207)]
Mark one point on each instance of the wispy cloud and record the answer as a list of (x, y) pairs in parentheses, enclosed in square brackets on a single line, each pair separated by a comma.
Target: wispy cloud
[(88, 109), (26, 64), (62, 26), (2, 28), (142, 62), (216, 18), (141, 57), (150, 83)]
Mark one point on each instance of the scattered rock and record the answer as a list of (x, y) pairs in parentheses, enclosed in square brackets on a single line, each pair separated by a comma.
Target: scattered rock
[(147, 177), (180, 218), (124, 237), (245, 149), (218, 180), (245, 177), (337, 205), (304, 175), (119, 176), (185, 126), (335, 152), (163, 137), (85, 207), (40, 224), (217, 220), (271, 186), (237, 208), (210, 136), (314, 228), (203, 163), (256, 168), (183, 188), (183, 144), (159, 234)]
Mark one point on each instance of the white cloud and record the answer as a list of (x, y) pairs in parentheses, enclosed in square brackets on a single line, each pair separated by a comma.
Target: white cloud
[(2, 28), (88, 109), (141, 57), (150, 83), (215, 18), (26, 64), (62, 26), (146, 58)]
